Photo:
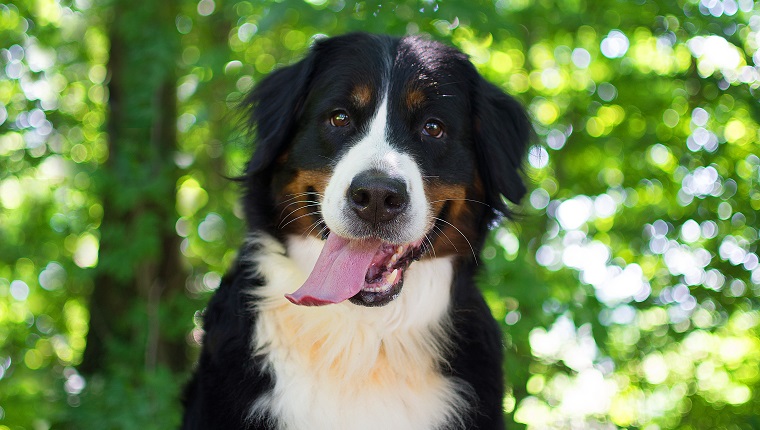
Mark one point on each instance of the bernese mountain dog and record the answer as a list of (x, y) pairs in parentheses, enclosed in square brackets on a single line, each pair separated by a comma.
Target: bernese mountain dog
[(380, 165)]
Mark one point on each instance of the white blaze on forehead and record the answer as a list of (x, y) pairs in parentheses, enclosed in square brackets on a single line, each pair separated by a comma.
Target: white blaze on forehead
[(373, 152)]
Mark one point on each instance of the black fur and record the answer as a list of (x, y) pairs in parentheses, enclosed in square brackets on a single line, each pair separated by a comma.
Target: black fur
[(227, 372), (487, 135), (502, 130)]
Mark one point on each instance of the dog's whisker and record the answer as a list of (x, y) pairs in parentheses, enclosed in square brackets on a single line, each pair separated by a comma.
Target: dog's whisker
[(313, 226), (293, 196), (432, 248), (461, 200), (297, 218), (283, 219), (297, 195), (439, 234), (296, 202), (436, 228), (465, 237), (322, 231), (431, 241), (314, 245), (294, 211)]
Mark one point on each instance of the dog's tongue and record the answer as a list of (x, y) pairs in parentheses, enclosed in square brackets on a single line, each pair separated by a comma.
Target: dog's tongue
[(339, 272)]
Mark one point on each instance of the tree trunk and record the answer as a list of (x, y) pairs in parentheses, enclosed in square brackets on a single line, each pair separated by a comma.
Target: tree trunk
[(139, 278)]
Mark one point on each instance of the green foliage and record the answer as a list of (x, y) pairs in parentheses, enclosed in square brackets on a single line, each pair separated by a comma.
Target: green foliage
[(124, 402), (627, 289)]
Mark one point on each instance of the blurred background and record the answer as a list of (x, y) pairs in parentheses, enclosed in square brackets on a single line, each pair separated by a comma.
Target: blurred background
[(627, 291)]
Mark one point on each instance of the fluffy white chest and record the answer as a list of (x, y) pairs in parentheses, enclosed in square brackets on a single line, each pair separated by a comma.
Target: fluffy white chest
[(346, 367)]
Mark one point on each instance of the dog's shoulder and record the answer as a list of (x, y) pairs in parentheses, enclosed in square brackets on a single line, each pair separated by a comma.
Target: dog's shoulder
[(228, 375), (477, 356)]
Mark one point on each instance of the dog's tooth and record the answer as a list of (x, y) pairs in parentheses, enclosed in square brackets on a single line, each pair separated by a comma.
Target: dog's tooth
[(391, 278), (394, 258), (400, 249)]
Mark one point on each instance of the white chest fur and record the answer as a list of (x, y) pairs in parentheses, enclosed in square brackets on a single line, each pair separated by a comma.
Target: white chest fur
[(347, 367)]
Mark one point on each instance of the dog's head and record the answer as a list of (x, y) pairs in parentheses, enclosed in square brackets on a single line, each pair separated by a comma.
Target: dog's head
[(390, 149)]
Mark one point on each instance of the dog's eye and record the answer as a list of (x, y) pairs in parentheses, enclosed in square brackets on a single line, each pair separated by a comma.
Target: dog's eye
[(340, 118), (433, 128)]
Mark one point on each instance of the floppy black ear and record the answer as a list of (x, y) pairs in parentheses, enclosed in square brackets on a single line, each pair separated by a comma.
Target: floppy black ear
[(502, 134), (274, 106)]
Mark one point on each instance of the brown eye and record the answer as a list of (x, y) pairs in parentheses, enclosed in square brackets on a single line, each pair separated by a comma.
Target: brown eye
[(433, 128), (340, 118)]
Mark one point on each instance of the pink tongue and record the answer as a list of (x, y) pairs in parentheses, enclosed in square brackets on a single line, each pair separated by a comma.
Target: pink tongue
[(339, 272)]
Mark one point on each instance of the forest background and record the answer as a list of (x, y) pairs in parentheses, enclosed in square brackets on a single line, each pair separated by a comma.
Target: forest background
[(628, 290)]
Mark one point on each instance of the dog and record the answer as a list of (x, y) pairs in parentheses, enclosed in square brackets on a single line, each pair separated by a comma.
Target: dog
[(380, 165)]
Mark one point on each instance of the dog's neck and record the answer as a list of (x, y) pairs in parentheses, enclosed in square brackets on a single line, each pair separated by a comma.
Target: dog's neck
[(367, 357), (409, 328)]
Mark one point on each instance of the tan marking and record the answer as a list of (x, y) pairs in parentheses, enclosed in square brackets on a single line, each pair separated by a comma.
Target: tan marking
[(362, 95), (414, 99), (294, 205), (458, 233)]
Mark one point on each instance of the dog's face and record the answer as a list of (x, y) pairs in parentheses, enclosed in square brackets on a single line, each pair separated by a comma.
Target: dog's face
[(391, 150)]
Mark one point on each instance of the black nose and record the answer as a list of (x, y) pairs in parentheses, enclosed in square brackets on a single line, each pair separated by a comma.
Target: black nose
[(376, 197)]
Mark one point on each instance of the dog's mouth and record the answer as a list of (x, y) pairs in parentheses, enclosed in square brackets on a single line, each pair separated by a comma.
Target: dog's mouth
[(367, 272)]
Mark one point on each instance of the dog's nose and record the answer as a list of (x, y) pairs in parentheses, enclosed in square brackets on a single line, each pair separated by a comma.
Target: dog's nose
[(376, 197)]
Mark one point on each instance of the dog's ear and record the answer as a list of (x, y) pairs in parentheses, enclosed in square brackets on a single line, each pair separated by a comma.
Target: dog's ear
[(502, 134), (274, 107)]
